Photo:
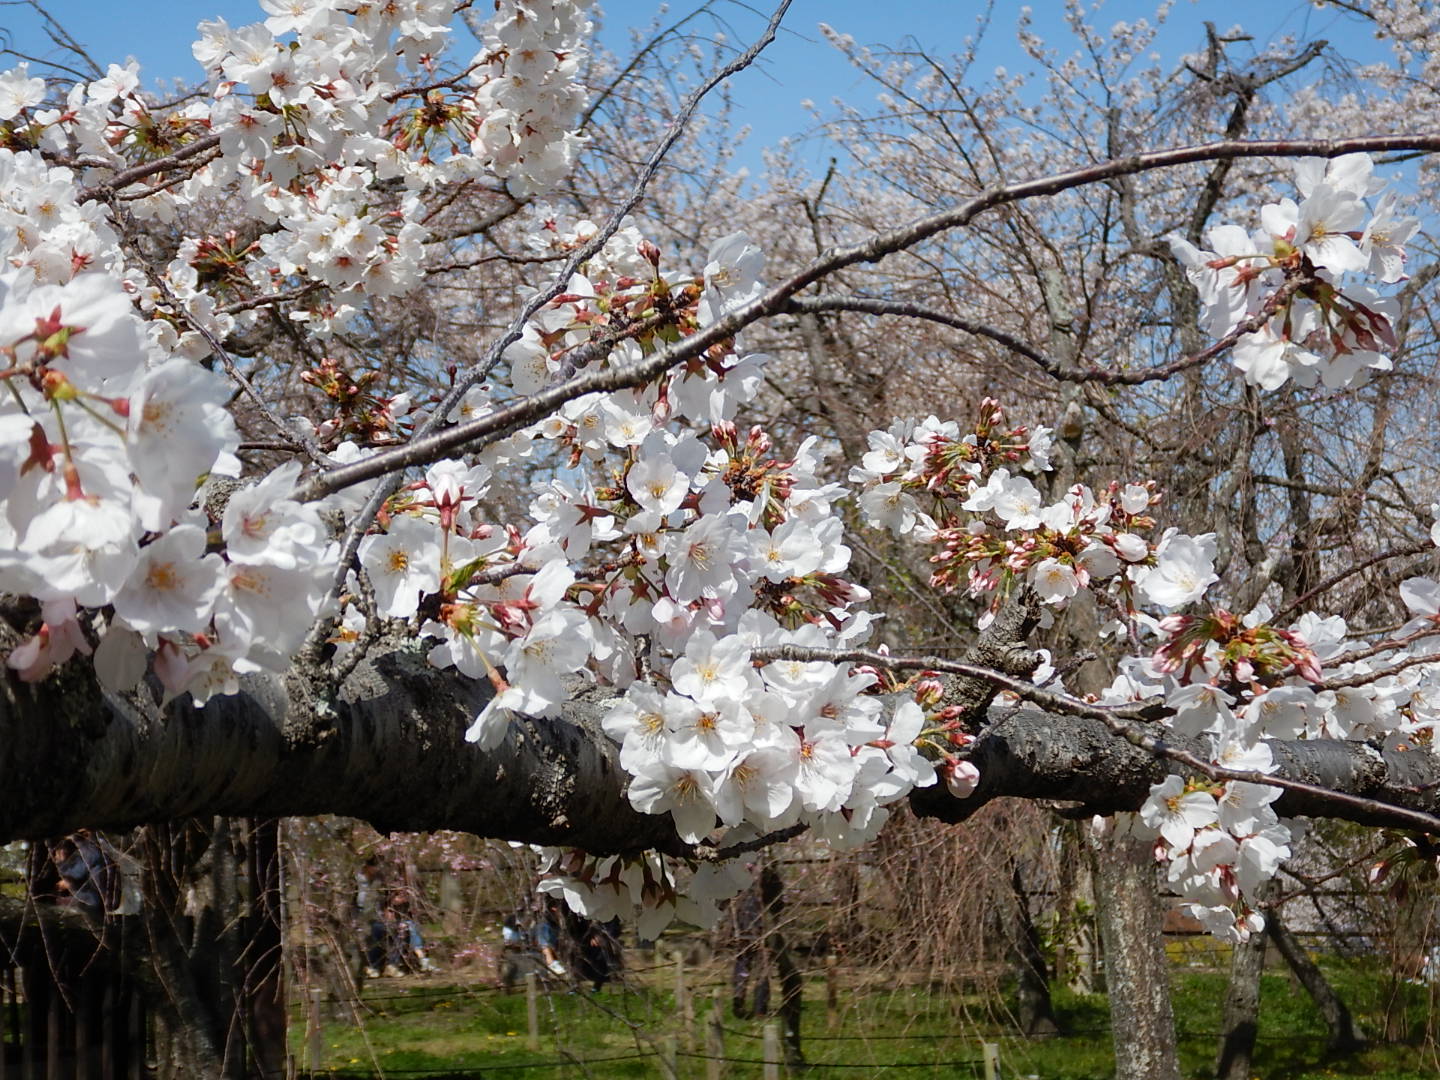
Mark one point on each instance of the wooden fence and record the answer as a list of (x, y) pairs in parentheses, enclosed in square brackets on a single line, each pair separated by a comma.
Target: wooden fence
[(68, 1013)]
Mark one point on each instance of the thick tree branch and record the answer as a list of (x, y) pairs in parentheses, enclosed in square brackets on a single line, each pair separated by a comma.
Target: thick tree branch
[(1030, 754), (1133, 724), (125, 177), (392, 752)]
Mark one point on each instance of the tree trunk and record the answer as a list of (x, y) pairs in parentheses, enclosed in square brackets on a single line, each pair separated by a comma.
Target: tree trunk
[(792, 983), (1075, 930), (213, 920), (1241, 1020), (1035, 1012), (1345, 1036), (1137, 973)]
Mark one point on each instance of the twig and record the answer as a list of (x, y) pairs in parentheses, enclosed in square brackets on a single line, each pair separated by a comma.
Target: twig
[(149, 168), (427, 437), (1051, 366), (612, 224), (296, 438), (711, 853), (1335, 579)]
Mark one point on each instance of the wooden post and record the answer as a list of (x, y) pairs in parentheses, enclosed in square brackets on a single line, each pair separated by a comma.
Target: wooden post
[(84, 1020), (314, 1031), (669, 1058), (54, 1024), (684, 1009), (7, 982), (715, 1038), (110, 1025), (532, 1010), (35, 1000), (771, 1050), (452, 902), (137, 1035), (832, 991), (990, 1052)]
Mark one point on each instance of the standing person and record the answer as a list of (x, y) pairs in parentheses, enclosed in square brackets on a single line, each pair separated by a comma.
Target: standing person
[(514, 941), (372, 912), (599, 951)]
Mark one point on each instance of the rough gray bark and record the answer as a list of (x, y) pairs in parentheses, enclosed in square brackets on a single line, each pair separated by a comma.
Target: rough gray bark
[(1137, 974), (1029, 754), (1345, 1036), (1075, 949), (390, 749)]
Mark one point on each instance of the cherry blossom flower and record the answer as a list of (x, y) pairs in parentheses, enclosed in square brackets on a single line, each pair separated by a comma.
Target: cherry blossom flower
[(1183, 571), (19, 90), (1176, 814), (263, 524), (175, 584), (704, 736), (699, 559), (732, 276), (713, 670), (1054, 581), (58, 639), (403, 564), (686, 794)]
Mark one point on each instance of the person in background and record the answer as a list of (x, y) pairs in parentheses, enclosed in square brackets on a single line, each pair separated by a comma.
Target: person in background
[(599, 951), (87, 877), (547, 937), (370, 907), (748, 932), (407, 941)]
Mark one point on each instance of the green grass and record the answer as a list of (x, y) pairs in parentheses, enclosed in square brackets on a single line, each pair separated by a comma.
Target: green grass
[(472, 1030)]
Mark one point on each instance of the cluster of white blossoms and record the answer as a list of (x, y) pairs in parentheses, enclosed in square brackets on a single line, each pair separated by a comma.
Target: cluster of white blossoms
[(106, 439), (1300, 266), (666, 553), (307, 113), (1232, 683), (110, 424), (992, 529), (674, 546), (526, 95)]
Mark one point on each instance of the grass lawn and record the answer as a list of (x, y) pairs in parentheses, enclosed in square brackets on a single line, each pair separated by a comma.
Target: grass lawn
[(440, 1027)]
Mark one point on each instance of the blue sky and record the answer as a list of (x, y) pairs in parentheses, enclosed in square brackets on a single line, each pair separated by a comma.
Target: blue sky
[(800, 66)]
